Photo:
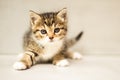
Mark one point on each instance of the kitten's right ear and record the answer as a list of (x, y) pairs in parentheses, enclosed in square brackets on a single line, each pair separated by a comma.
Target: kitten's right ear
[(34, 17), (62, 14)]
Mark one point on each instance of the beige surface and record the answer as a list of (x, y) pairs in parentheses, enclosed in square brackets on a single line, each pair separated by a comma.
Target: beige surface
[(99, 19), (90, 68)]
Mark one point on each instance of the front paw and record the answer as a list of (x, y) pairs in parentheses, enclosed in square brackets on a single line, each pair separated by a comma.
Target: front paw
[(19, 66), (62, 63)]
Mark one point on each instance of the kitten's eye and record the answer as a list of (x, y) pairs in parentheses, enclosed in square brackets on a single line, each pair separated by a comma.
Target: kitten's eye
[(56, 30), (45, 22), (43, 31), (52, 21)]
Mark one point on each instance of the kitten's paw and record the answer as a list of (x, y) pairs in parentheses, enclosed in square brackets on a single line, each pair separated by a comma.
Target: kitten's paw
[(19, 66), (76, 55), (62, 63)]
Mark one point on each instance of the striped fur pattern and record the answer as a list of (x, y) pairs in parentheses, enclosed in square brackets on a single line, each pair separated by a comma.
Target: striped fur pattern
[(46, 40)]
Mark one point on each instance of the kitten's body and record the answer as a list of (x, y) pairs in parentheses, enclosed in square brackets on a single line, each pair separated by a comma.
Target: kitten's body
[(45, 50), (46, 41)]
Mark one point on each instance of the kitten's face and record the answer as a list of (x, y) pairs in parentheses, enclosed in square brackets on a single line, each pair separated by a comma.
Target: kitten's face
[(49, 26)]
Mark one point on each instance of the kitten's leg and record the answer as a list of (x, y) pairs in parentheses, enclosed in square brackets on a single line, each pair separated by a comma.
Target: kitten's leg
[(25, 61), (73, 55), (59, 60)]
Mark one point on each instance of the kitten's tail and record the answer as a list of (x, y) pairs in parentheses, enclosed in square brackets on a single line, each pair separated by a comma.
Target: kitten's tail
[(72, 41)]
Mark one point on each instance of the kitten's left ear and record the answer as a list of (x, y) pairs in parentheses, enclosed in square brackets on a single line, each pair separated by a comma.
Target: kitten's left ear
[(62, 14), (34, 17)]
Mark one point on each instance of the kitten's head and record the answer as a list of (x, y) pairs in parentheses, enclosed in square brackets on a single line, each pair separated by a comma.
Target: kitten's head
[(51, 26)]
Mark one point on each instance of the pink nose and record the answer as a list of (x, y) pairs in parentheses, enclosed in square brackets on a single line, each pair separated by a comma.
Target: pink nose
[(51, 38)]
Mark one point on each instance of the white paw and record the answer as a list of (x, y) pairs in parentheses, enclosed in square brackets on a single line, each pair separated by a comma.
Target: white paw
[(77, 55), (62, 63), (19, 65)]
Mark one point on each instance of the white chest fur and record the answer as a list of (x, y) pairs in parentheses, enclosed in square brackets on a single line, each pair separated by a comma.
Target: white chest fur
[(51, 49)]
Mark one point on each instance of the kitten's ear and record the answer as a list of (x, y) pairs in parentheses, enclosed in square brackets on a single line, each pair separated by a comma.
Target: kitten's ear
[(62, 14), (34, 17)]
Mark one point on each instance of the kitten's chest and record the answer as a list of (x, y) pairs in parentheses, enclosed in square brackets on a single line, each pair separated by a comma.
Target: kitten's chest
[(51, 49)]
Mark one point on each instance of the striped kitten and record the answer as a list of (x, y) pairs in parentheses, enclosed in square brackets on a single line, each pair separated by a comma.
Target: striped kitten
[(46, 41)]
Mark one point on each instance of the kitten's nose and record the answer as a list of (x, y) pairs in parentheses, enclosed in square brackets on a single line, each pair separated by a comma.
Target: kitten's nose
[(51, 38)]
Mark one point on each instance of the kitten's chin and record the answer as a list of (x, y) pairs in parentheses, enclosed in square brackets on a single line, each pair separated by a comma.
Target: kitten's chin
[(51, 41), (55, 40)]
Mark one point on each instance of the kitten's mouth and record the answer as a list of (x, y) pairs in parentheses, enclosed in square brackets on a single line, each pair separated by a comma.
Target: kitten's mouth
[(52, 40)]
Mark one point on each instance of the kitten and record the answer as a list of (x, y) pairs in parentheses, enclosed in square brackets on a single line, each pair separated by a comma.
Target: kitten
[(46, 41)]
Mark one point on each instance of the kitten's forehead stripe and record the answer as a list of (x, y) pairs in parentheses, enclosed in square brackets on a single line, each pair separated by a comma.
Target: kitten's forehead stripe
[(49, 18)]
